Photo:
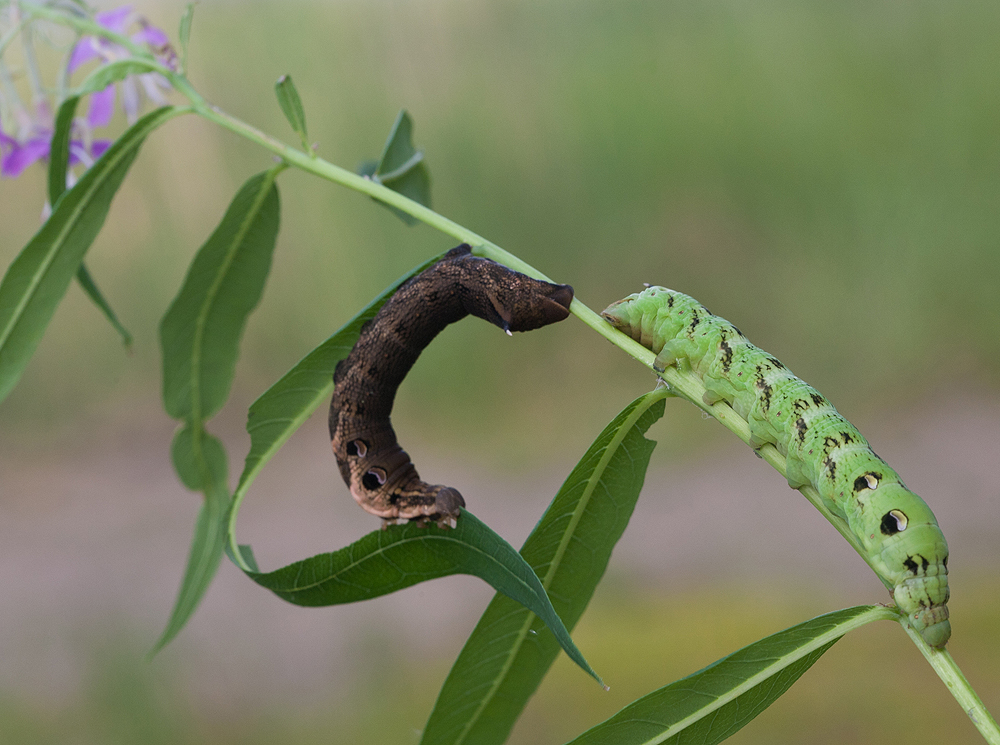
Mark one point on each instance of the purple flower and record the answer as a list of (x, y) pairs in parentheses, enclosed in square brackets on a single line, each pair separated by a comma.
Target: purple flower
[(16, 155), (33, 141), (7, 144), (120, 20)]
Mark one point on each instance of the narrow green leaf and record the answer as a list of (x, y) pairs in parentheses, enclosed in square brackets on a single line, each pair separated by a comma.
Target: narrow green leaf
[(38, 278), (59, 149), (200, 332), (714, 703), (415, 184), (504, 660), (398, 149), (199, 458), (200, 461), (291, 105), (400, 556), (401, 167), (113, 72), (94, 293), (249, 560), (200, 336), (58, 166), (283, 407), (204, 556), (184, 35)]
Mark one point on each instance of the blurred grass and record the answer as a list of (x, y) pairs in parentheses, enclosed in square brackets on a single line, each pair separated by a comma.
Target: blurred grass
[(824, 175), (651, 641), (637, 639)]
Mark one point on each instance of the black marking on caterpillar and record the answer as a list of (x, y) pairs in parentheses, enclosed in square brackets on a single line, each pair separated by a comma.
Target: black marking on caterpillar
[(378, 471), (897, 530)]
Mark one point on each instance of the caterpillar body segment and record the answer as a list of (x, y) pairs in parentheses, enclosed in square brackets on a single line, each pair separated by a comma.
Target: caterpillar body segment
[(897, 530)]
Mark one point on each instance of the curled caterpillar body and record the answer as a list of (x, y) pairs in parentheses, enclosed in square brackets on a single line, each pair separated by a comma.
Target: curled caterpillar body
[(896, 528), (380, 474)]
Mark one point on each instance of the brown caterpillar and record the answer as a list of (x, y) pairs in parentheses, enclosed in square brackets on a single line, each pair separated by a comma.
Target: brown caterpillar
[(378, 471)]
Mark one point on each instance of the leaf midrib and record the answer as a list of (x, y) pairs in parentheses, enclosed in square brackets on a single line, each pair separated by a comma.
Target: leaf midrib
[(401, 542), (202, 318), (779, 663), (602, 464), (56, 245)]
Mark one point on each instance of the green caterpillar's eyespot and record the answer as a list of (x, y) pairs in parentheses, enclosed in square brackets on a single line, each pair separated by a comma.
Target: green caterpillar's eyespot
[(373, 479), (894, 521), (357, 448), (868, 481)]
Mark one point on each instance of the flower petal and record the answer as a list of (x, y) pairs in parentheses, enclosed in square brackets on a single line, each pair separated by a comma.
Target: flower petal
[(6, 143), (151, 83), (84, 51), (102, 106), (151, 35), (116, 20), (89, 47), (130, 99), (78, 154), (22, 156), (98, 148)]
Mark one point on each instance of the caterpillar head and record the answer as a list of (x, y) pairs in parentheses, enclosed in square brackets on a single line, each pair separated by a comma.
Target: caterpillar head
[(895, 520), (635, 315)]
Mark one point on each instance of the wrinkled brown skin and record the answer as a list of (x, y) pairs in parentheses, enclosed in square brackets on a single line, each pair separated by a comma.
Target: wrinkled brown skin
[(378, 471)]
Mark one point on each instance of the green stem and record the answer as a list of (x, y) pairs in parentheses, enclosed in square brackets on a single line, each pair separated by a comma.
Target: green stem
[(85, 25), (9, 97), (682, 383), (326, 170), (31, 66), (8, 37), (949, 672)]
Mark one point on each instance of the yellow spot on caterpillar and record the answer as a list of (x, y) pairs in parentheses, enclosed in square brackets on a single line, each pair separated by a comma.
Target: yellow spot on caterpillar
[(900, 518), (871, 481)]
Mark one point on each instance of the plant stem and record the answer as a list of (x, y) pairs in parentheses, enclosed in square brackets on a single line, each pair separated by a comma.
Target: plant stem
[(949, 672), (681, 382), (31, 66), (86, 26), (684, 384)]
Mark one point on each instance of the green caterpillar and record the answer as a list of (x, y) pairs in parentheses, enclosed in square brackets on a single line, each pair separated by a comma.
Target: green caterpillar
[(896, 528)]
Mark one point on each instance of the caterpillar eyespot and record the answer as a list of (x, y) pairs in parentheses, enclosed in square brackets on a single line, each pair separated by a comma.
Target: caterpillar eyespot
[(379, 473), (894, 522), (896, 528)]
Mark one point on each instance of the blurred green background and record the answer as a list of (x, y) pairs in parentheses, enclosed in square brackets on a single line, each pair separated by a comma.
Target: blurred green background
[(825, 175)]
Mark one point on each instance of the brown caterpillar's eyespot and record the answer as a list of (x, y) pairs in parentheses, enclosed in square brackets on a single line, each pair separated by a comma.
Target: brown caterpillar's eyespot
[(894, 521), (373, 479), (357, 448)]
